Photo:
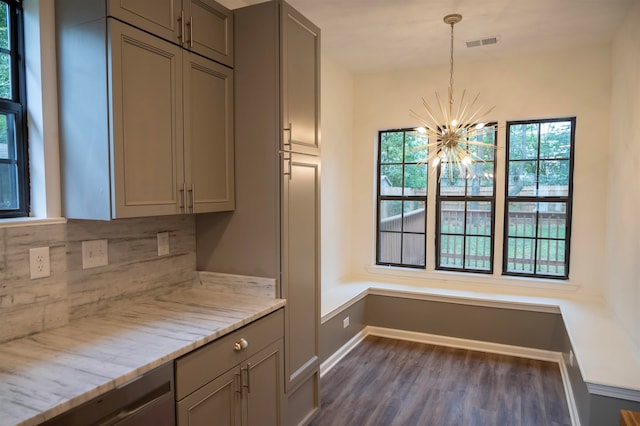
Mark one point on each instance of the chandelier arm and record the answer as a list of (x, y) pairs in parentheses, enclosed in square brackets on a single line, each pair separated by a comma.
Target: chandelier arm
[(464, 92), (466, 110), (431, 113), (477, 116), (443, 110)]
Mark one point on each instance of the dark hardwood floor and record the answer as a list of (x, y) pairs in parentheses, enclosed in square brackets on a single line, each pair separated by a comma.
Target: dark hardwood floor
[(392, 382)]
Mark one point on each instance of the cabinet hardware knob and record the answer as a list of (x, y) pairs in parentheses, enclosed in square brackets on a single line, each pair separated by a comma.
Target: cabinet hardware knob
[(240, 344)]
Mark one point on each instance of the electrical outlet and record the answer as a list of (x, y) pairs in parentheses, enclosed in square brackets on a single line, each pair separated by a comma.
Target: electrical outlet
[(95, 253), (39, 262), (345, 322), (163, 243)]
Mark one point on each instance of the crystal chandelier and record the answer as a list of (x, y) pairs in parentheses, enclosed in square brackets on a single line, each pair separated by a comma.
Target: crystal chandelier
[(455, 130)]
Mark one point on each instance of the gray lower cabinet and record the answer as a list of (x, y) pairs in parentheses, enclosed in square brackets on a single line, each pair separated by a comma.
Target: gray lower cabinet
[(236, 380), (146, 127)]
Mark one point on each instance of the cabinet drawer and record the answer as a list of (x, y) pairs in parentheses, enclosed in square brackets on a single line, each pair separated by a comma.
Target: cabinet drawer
[(205, 364)]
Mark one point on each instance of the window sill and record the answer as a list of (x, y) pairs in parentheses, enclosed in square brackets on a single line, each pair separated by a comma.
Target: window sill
[(428, 277), (31, 221)]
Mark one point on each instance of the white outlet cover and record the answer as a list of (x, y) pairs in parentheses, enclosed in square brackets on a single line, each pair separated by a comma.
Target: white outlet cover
[(39, 265), (163, 243), (345, 322), (95, 253)]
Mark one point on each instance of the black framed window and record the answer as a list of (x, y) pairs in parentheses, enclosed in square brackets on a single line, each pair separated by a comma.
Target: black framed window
[(465, 209), (14, 187), (539, 188), (402, 198)]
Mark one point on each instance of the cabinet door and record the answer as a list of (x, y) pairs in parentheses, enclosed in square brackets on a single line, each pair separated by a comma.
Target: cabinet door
[(265, 387), (159, 17), (209, 30), (145, 75), (208, 134), (301, 81), (216, 403), (301, 266)]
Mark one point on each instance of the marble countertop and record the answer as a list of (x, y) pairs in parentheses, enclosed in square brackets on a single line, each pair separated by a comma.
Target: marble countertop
[(48, 373)]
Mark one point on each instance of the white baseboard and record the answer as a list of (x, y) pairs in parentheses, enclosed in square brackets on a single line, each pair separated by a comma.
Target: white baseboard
[(335, 358), (474, 345)]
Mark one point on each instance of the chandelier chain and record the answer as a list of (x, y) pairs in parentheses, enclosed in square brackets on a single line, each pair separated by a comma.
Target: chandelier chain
[(451, 70)]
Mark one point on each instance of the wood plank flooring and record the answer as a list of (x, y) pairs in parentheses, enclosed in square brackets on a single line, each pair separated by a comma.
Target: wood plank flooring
[(393, 382)]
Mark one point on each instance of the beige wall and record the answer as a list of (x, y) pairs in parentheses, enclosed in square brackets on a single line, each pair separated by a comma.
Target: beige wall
[(623, 227), (576, 82), (337, 133)]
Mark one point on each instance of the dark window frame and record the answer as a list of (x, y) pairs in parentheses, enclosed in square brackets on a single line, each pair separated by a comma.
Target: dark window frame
[(467, 199), (402, 198), (17, 107), (537, 199)]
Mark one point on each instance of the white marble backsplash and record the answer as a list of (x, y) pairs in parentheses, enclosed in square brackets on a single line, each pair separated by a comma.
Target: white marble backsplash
[(236, 284), (135, 270)]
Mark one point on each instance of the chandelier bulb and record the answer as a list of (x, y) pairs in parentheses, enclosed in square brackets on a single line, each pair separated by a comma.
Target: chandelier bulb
[(435, 162), (466, 160), (454, 122), (479, 126)]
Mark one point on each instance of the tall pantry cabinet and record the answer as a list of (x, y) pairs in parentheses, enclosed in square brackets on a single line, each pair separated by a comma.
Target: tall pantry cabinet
[(275, 228)]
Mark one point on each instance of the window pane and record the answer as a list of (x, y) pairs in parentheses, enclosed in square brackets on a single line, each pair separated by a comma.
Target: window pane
[(522, 178), (521, 219), (523, 141), (555, 139), (552, 220), (413, 249), (391, 215), (414, 216), (520, 255), (452, 180), (481, 181), (8, 186), (452, 216), (389, 249), (551, 257), (415, 179), (5, 32), (391, 144), (391, 180), (479, 218), (5, 76), (554, 178), (7, 137), (451, 250), (478, 253), (415, 147), (482, 152)]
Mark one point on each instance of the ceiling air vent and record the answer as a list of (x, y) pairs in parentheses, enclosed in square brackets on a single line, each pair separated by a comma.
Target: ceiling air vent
[(483, 41)]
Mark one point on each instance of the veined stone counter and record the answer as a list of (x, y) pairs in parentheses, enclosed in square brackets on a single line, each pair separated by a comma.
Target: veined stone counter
[(48, 373)]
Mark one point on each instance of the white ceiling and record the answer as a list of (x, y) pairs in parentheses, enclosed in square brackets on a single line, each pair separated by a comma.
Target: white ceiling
[(381, 35)]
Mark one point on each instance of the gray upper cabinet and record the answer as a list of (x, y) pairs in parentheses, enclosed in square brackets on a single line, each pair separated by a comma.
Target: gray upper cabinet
[(300, 81), (202, 26), (147, 142), (208, 135), (146, 126)]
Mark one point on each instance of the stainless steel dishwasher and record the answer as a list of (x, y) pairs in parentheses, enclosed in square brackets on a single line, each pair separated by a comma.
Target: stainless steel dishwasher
[(148, 400)]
